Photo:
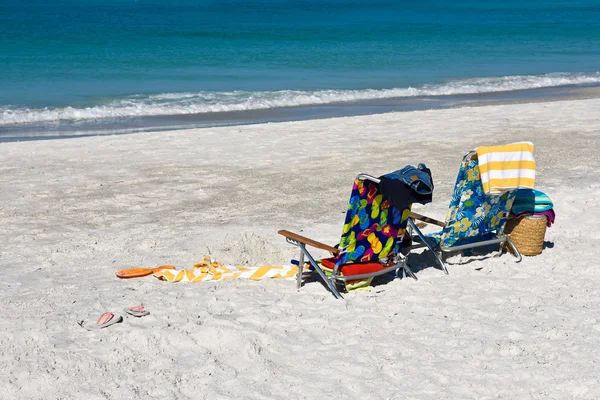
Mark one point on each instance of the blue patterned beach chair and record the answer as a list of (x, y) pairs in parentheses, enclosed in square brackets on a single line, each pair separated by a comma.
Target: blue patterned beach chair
[(474, 219), (370, 243)]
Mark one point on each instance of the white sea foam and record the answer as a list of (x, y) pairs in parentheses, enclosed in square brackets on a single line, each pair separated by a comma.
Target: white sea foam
[(210, 102)]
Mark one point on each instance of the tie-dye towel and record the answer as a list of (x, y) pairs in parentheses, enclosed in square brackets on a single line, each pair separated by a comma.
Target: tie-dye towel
[(210, 270)]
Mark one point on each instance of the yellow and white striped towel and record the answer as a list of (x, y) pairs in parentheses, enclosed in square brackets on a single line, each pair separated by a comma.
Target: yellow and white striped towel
[(504, 168), (210, 270)]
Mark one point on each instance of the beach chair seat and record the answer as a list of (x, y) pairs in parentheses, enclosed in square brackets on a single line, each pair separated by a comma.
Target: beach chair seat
[(474, 218), (370, 243)]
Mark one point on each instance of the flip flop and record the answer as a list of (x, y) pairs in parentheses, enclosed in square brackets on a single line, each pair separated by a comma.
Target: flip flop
[(139, 272), (137, 311), (105, 320)]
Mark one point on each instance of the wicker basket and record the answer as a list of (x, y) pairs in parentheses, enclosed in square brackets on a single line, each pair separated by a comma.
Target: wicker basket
[(527, 233)]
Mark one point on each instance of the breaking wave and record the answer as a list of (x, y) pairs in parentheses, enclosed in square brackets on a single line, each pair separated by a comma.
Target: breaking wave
[(211, 102)]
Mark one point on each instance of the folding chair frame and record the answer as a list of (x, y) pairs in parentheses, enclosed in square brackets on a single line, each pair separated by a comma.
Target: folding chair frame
[(336, 276), (500, 238)]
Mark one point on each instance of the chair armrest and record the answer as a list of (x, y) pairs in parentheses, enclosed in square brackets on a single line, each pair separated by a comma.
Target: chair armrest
[(423, 218), (302, 239)]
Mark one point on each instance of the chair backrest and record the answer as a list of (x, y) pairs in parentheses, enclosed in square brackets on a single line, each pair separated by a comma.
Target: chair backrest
[(472, 214), (373, 228)]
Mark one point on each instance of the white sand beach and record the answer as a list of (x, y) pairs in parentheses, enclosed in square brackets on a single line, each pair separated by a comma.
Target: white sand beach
[(73, 211)]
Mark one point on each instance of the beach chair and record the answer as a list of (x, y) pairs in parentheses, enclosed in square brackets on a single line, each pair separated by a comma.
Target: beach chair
[(474, 219), (370, 244)]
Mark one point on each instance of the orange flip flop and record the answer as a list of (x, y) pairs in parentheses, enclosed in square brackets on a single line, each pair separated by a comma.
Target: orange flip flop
[(138, 272)]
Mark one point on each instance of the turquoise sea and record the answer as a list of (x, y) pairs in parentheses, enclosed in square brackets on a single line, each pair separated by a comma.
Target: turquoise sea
[(70, 67)]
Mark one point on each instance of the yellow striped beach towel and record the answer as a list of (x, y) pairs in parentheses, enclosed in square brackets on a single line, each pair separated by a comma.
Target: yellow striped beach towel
[(504, 168), (210, 270)]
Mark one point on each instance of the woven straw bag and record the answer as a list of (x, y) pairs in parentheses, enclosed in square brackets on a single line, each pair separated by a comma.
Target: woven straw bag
[(527, 233)]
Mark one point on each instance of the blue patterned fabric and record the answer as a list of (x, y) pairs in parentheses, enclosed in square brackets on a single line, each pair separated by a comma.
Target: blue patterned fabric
[(373, 228), (472, 215)]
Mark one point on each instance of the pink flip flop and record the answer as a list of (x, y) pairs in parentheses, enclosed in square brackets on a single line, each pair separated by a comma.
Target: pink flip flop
[(105, 320), (137, 311)]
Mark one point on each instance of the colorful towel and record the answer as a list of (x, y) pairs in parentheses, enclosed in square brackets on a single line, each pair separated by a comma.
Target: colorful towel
[(531, 200), (210, 270), (549, 214), (504, 168), (373, 228)]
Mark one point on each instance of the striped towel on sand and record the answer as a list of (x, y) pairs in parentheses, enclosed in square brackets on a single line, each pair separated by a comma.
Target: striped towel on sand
[(210, 270), (505, 168)]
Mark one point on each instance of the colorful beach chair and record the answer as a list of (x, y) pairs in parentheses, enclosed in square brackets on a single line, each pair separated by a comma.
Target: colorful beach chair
[(474, 219), (370, 244)]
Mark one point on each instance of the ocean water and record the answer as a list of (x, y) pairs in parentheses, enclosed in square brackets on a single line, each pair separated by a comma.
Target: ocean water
[(69, 66)]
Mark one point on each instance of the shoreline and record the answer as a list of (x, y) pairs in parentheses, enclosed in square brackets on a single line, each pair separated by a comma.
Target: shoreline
[(88, 128)]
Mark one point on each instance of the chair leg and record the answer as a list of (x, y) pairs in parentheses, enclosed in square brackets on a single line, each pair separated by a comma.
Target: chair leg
[(300, 268), (407, 269), (442, 260), (327, 281), (443, 256), (514, 248), (500, 250), (426, 242)]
